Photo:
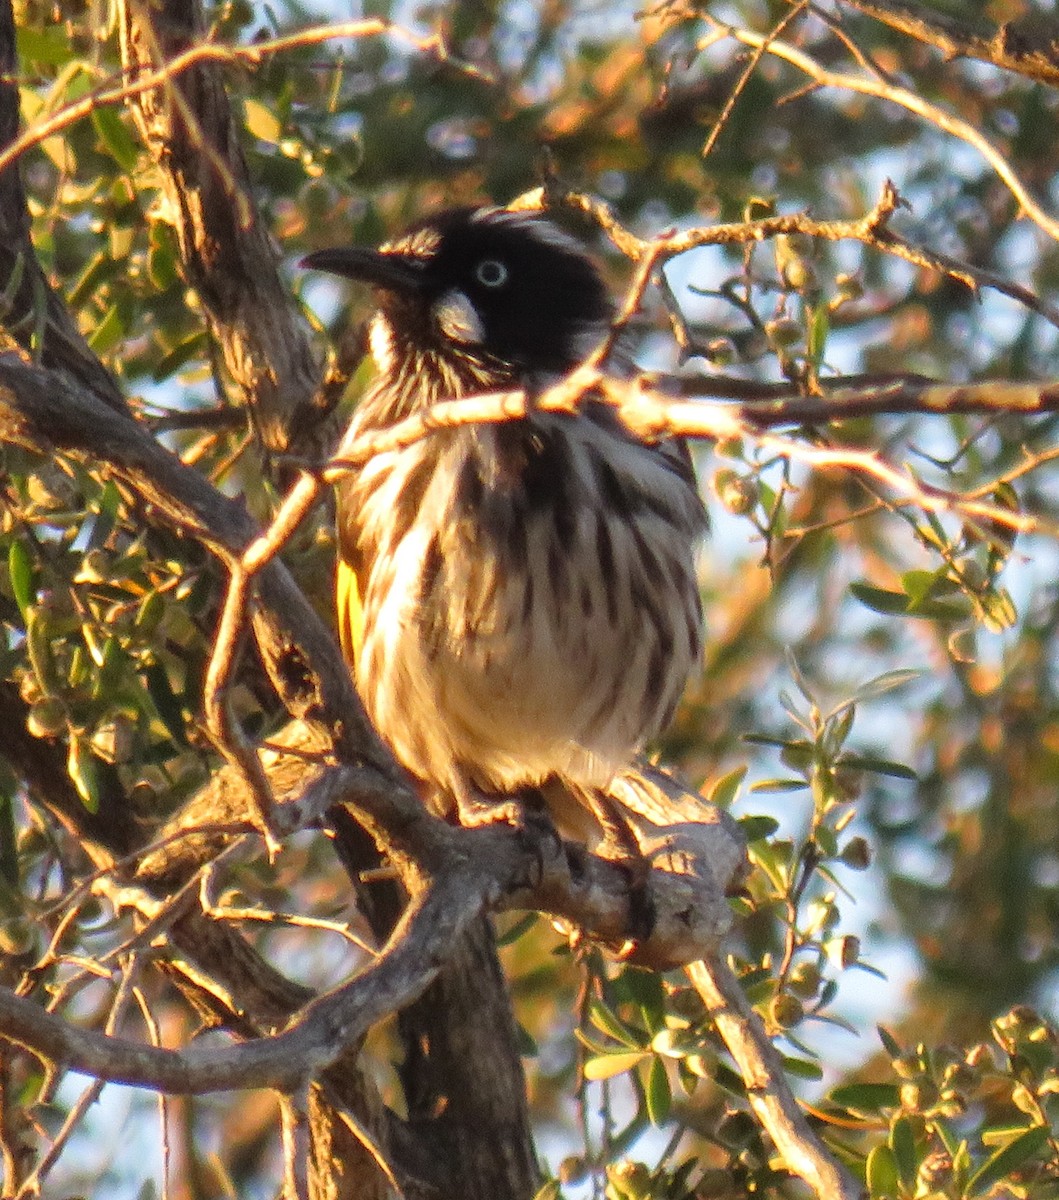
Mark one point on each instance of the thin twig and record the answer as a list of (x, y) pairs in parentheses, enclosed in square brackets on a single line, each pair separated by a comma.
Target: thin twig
[(205, 52), (938, 117), (747, 73), (652, 415)]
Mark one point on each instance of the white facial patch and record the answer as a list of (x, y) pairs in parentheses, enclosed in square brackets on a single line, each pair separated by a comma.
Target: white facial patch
[(380, 342), (458, 319)]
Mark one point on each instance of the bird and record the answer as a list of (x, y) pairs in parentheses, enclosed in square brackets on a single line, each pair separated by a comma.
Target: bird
[(518, 600)]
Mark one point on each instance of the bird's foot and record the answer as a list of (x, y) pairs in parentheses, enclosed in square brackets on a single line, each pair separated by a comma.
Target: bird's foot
[(526, 814), (619, 846)]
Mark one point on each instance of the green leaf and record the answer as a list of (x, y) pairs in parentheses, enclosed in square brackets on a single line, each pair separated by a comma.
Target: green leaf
[(182, 353), (888, 681), (165, 701), (897, 604), (657, 1093), (49, 46), (606, 1066), (890, 1043), (83, 769), (645, 990), (8, 840), (949, 1137), (774, 859), (881, 1173), (261, 122), (919, 585), (818, 331), (724, 790), (101, 268), (767, 739), (903, 1145), (891, 604), (769, 786), (879, 766), (826, 841), (20, 568), (612, 1025), (162, 257), (41, 650), (521, 926), (802, 1068), (1002, 1164), (758, 827), (866, 1098), (115, 136), (109, 331)]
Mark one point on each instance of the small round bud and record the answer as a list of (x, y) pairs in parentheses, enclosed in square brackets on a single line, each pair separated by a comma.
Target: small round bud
[(843, 951), (736, 492), (919, 1096), (720, 351), (784, 332), (628, 1181), (786, 1011), (736, 1129), (572, 1169), (980, 1057), (972, 574), (804, 980), (47, 718)]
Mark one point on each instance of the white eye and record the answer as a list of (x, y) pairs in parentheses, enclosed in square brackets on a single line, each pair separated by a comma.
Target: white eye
[(491, 273)]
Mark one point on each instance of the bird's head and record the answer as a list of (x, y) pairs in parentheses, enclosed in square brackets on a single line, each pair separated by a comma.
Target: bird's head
[(489, 295)]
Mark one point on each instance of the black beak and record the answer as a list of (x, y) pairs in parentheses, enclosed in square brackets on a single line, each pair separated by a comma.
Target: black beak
[(393, 272)]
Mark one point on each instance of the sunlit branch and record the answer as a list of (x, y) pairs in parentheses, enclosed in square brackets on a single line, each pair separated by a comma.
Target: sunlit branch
[(107, 94), (769, 1096), (785, 19), (871, 230), (651, 414), (1025, 45), (914, 103)]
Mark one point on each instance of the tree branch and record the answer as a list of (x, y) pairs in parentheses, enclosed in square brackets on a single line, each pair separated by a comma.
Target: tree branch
[(761, 1067), (228, 255), (936, 116), (1026, 45), (36, 315), (646, 407), (487, 867), (872, 230)]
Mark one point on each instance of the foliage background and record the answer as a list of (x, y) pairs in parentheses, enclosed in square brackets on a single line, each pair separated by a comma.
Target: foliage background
[(816, 581)]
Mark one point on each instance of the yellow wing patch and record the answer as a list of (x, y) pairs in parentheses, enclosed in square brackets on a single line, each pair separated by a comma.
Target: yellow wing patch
[(350, 612)]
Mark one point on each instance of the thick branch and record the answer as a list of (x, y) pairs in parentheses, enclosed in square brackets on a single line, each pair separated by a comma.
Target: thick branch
[(645, 405), (482, 868), (227, 253)]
